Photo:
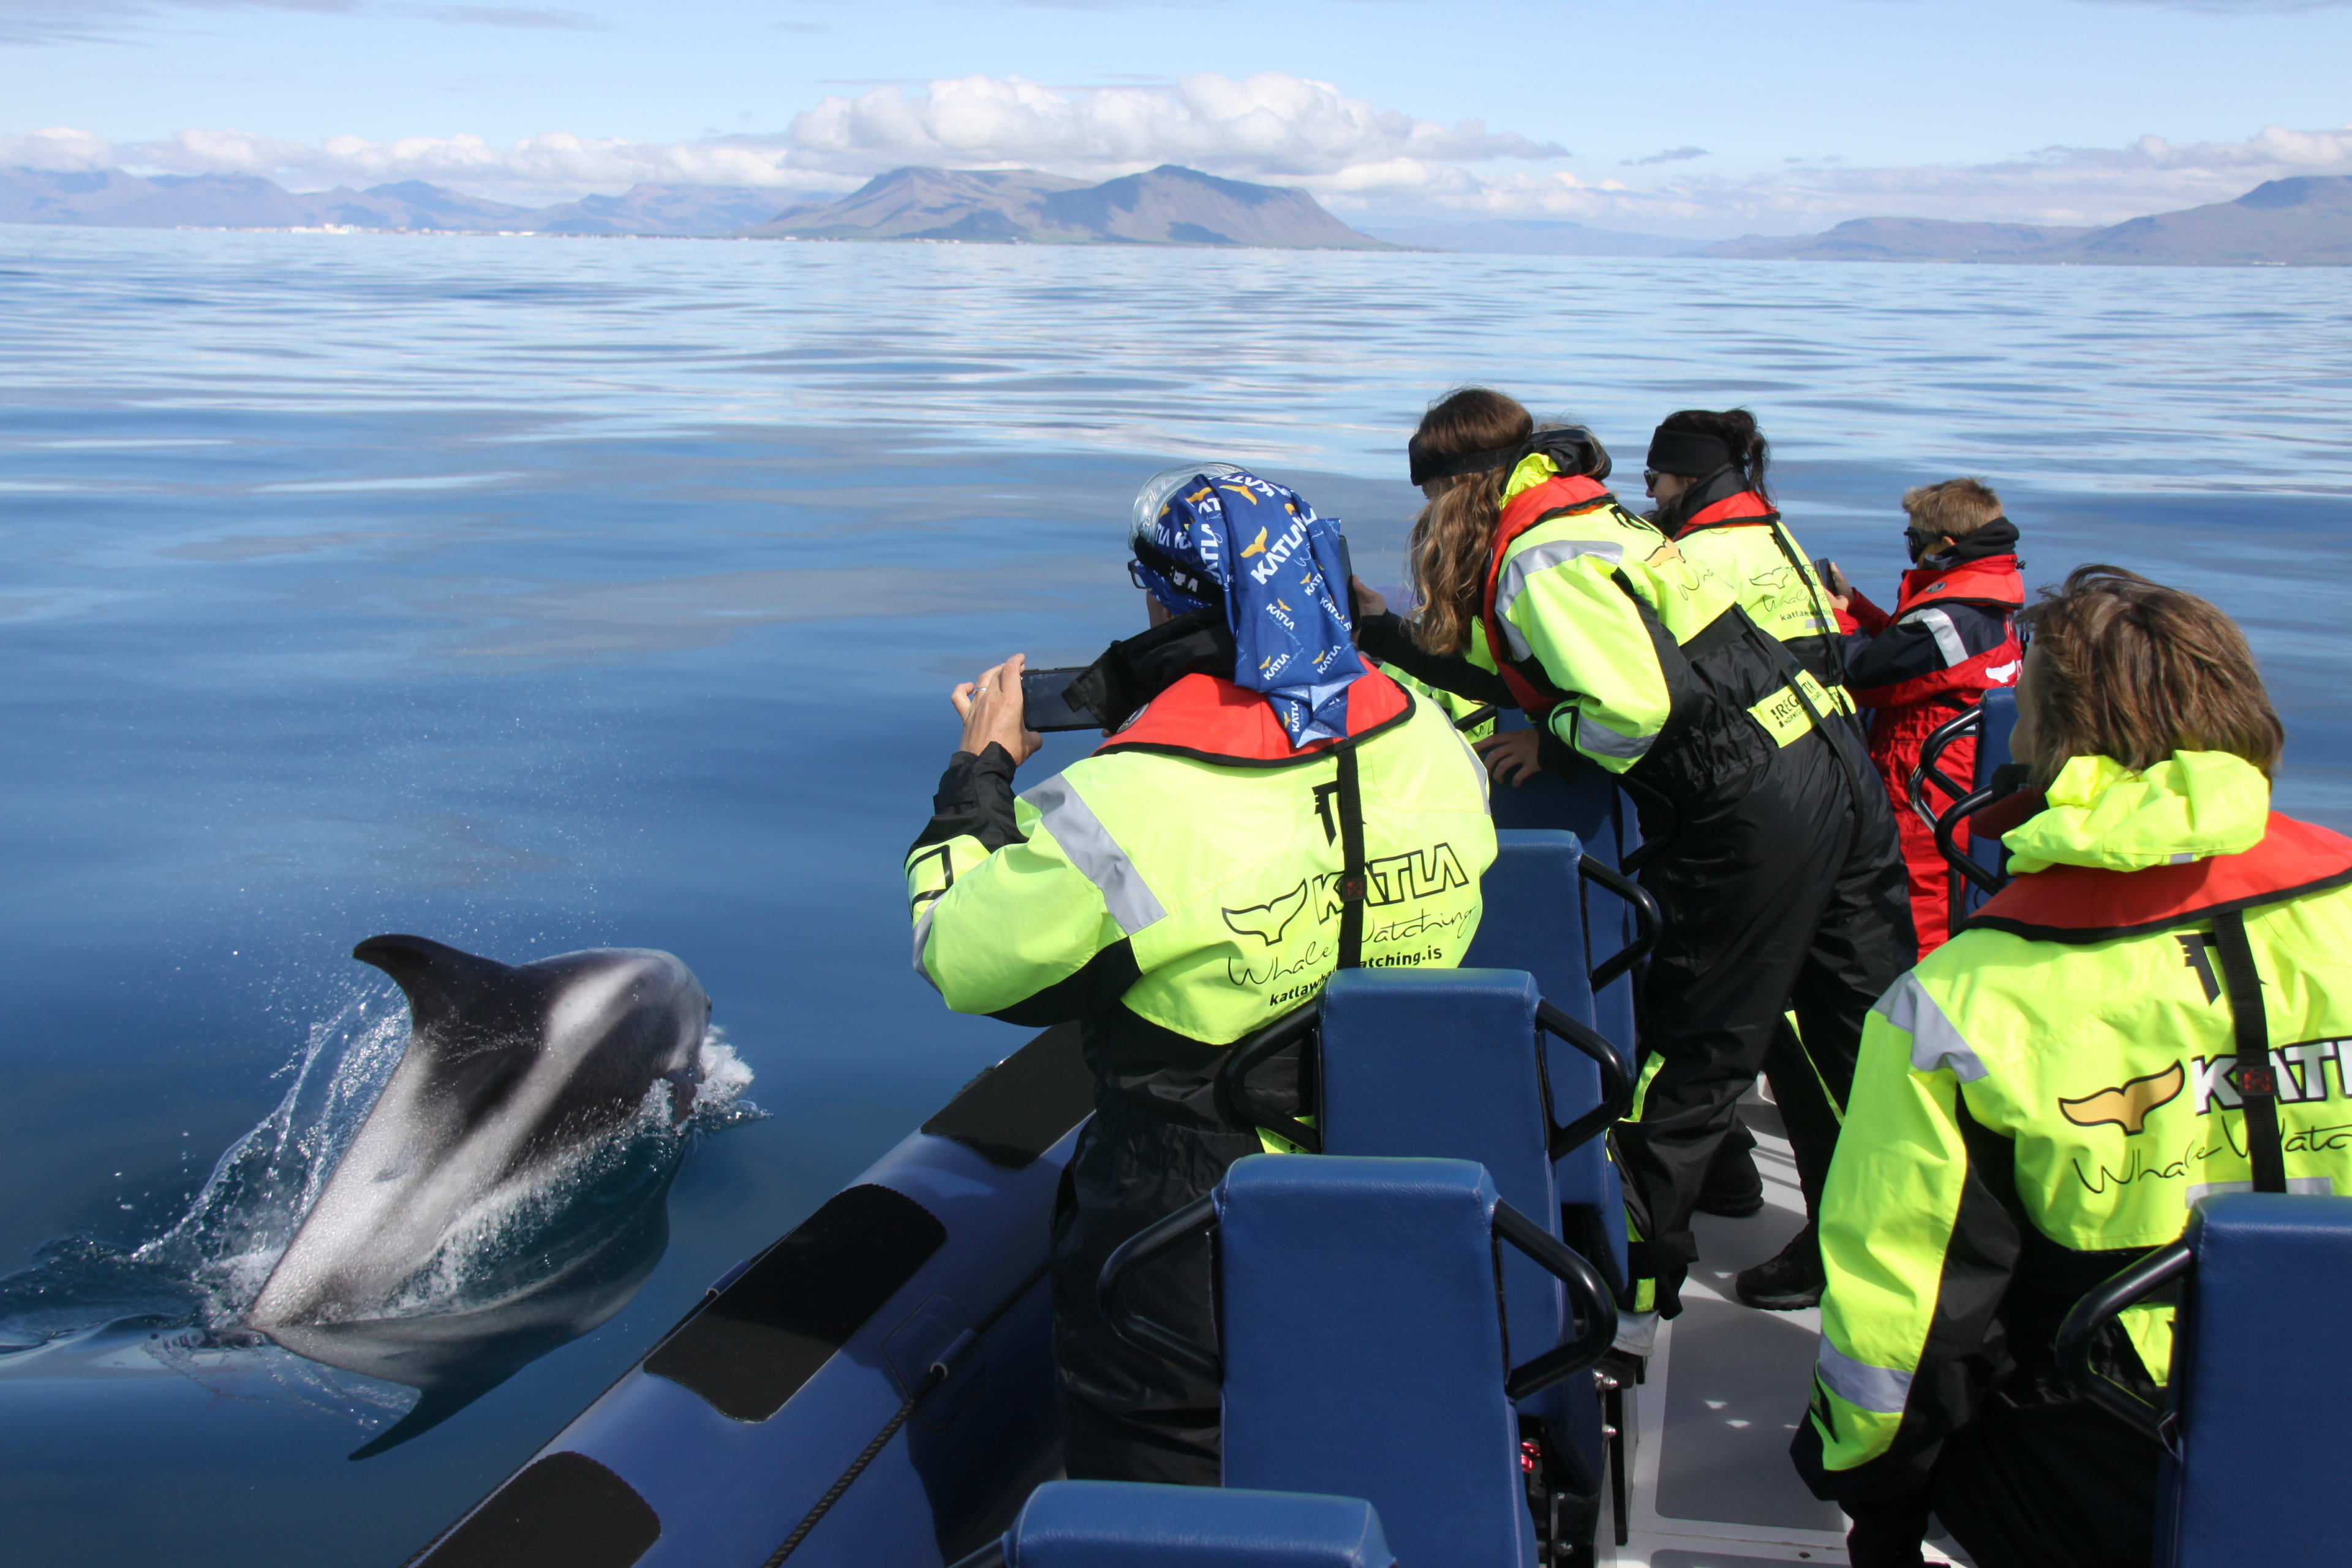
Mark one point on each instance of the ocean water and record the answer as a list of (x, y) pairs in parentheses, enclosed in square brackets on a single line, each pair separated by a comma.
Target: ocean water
[(532, 595)]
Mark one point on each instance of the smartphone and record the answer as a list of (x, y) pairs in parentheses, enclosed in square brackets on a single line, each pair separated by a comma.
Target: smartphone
[(1045, 704)]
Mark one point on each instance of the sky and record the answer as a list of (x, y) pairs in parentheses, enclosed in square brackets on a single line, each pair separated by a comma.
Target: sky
[(1703, 118)]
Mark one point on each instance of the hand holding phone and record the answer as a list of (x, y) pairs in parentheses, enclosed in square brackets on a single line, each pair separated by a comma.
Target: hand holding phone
[(990, 709)]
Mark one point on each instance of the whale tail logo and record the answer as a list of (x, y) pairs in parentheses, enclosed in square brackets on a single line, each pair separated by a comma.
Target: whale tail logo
[(1258, 546), (2128, 1104), (1268, 920)]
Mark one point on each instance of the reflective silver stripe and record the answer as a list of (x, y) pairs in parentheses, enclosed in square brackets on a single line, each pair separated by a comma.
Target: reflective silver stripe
[(1934, 1042), (1598, 739), (1533, 559), (1881, 1389), (1065, 813), (1947, 635), (2184, 858), (923, 935)]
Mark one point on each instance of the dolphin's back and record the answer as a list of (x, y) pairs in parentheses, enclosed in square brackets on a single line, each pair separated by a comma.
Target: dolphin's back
[(506, 1068)]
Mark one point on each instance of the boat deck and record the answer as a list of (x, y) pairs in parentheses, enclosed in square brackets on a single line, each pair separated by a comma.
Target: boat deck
[(1713, 1487)]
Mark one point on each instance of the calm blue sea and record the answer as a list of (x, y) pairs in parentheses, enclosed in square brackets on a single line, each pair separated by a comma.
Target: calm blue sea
[(533, 594)]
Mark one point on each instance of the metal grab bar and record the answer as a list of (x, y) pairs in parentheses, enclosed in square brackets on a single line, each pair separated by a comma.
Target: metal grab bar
[(2078, 1335), (1649, 922), (1948, 827), (1244, 1058), (1590, 1301), (1592, 1307), (1931, 754), (1161, 1236), (1616, 1081)]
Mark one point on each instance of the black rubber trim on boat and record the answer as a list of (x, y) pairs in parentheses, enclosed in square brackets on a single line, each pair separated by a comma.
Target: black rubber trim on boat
[(566, 1510), (750, 1347), (1013, 1112)]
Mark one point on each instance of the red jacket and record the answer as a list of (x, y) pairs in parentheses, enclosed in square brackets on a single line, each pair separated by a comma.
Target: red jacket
[(1951, 638)]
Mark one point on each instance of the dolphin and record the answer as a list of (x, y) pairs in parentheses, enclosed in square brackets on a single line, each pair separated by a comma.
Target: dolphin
[(507, 1069)]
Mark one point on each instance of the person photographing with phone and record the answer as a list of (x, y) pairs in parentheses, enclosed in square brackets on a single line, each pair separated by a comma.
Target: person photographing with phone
[(1265, 809)]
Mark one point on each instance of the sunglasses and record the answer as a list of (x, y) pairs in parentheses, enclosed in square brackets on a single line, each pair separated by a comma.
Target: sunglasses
[(1135, 576)]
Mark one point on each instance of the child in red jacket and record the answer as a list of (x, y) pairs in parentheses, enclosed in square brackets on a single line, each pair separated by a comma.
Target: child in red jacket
[(1951, 638)]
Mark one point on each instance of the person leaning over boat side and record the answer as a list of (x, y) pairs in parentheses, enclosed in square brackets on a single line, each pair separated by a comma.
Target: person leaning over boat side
[(1951, 638), (2038, 1102), (1757, 805), (1707, 471), (1266, 810)]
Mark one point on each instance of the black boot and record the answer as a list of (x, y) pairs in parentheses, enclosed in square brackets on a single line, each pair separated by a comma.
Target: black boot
[(1733, 1188), (1788, 1283)]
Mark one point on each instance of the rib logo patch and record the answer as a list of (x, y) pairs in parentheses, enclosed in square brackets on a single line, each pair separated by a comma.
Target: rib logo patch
[(2126, 1105)]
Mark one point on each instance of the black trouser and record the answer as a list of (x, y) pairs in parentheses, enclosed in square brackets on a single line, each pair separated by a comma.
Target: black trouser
[(1791, 897), (1129, 1414), (2063, 1486)]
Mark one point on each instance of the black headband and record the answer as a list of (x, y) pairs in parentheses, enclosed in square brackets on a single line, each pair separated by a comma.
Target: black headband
[(1426, 468), (1688, 453), (1572, 447)]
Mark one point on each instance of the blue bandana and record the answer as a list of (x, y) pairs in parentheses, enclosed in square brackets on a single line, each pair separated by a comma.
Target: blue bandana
[(1220, 534)]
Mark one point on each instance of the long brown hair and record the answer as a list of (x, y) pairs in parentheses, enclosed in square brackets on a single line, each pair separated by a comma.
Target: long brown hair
[(1454, 534), (2136, 671)]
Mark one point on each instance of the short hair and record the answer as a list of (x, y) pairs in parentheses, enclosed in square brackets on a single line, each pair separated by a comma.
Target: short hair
[(2136, 671), (1954, 509)]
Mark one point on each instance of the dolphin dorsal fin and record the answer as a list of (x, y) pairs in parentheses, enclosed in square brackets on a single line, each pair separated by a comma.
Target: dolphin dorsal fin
[(441, 983)]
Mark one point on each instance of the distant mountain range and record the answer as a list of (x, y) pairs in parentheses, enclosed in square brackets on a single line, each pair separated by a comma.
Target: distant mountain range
[(2301, 221), (1168, 205), (117, 200)]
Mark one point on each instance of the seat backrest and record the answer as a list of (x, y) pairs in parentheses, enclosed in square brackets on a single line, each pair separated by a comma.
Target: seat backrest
[(2259, 1394), (1442, 1064), (1999, 711), (1591, 806), (1130, 1524), (1363, 1350), (1534, 919)]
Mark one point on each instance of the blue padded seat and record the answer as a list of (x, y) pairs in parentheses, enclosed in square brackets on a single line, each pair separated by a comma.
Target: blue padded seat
[(1534, 899), (1447, 1064), (1128, 1525), (1363, 1350), (2258, 1396)]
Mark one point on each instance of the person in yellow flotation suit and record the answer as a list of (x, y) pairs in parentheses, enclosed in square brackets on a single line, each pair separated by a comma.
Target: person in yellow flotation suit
[(2039, 1102), (1264, 811), (1767, 842)]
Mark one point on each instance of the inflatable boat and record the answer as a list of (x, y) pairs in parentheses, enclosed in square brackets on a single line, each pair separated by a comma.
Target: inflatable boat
[(877, 1388)]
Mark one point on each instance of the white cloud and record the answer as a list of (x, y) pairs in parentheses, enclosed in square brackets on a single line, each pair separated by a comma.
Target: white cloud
[(1270, 126)]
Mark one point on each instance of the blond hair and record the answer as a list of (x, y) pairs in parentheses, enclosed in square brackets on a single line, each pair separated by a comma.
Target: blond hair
[(1954, 509)]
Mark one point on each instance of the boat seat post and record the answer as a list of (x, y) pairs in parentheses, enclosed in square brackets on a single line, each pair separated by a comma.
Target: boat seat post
[(1133, 1524)]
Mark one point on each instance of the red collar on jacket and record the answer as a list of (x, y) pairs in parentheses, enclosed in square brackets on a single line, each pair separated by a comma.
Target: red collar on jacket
[(2086, 903), (1559, 496), (1744, 509), (1209, 717), (1993, 580)]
